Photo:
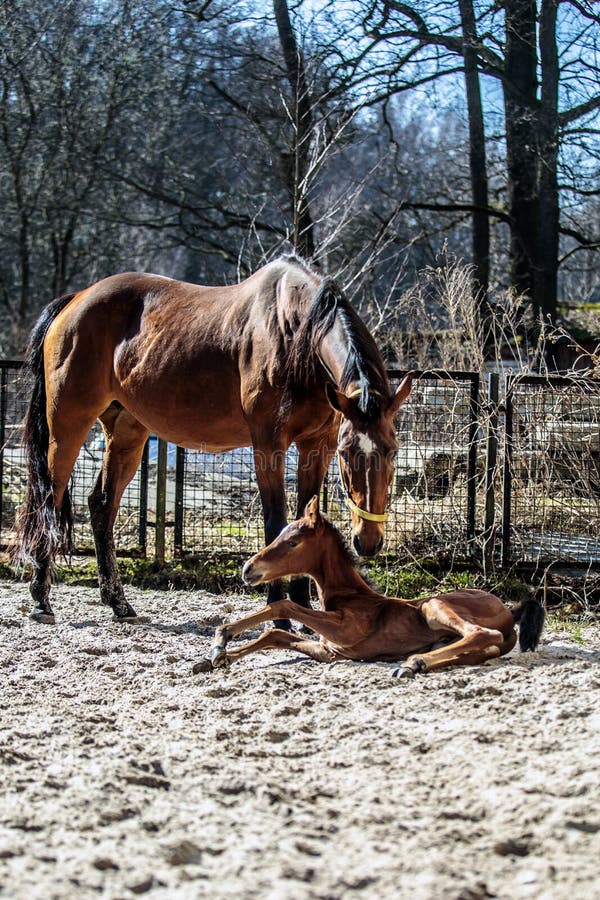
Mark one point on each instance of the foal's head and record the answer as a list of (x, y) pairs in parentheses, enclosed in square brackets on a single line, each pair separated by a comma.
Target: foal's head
[(297, 550), (367, 447)]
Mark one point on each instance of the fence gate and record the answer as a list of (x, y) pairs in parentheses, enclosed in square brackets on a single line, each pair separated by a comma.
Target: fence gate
[(551, 473)]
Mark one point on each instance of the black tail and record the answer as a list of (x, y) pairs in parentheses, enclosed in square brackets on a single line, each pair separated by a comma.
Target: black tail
[(531, 615), (40, 532)]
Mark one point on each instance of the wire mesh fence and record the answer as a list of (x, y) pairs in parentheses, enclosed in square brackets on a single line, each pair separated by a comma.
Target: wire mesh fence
[(432, 504), (433, 494), (130, 531), (551, 508), (544, 490)]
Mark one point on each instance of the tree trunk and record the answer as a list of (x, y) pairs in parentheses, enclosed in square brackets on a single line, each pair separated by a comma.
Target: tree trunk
[(297, 168), (548, 227), (477, 158), (520, 103)]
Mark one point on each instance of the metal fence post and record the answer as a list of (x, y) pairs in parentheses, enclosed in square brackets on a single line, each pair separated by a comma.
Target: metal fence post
[(472, 457), (161, 500), (143, 516), (507, 473), (489, 534), (179, 487), (3, 404)]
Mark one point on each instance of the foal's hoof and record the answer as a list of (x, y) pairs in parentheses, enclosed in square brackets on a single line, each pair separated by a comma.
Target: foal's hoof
[(403, 672), (218, 658), (203, 665), (41, 615)]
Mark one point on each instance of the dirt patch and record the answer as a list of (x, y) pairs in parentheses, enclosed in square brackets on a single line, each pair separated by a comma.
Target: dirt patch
[(124, 774)]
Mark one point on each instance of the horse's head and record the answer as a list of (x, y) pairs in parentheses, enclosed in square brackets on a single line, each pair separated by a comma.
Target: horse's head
[(295, 551), (367, 447)]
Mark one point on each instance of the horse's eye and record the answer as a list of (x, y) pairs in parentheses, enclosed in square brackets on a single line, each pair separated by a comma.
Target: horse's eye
[(292, 543)]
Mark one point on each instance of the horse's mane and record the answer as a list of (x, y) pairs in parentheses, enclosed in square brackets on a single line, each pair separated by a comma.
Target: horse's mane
[(363, 363)]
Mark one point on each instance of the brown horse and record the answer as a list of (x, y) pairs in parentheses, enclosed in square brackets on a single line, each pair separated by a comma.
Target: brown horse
[(279, 358), (356, 622)]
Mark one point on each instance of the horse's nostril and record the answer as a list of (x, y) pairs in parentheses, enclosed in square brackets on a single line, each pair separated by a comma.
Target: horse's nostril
[(246, 570), (379, 545), (356, 543)]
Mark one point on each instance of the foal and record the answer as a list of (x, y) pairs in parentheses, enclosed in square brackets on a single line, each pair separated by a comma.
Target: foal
[(356, 622)]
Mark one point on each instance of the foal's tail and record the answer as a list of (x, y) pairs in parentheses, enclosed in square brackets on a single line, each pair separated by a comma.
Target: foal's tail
[(41, 532), (531, 615)]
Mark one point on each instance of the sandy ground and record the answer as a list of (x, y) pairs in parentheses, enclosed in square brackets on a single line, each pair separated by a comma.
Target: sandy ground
[(124, 774)]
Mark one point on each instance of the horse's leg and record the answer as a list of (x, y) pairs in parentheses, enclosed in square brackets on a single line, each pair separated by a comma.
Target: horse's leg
[(65, 441), (329, 624), (278, 639), (475, 645), (314, 457), (269, 464), (125, 439)]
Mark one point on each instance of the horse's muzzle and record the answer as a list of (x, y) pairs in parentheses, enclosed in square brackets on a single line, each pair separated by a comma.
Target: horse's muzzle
[(366, 549), (249, 574)]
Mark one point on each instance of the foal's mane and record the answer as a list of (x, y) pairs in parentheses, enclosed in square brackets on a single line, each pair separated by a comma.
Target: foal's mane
[(341, 544), (348, 554), (363, 363)]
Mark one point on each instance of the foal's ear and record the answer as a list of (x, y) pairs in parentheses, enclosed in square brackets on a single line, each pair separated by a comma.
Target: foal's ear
[(311, 511), (339, 401), (401, 395)]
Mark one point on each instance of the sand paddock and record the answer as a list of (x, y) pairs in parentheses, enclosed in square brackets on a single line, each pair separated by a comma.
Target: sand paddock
[(123, 774)]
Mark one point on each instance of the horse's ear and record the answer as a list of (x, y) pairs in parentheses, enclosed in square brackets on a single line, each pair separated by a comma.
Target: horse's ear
[(339, 401), (311, 511), (401, 395)]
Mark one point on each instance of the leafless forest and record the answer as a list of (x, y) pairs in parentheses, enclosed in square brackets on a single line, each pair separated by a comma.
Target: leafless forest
[(411, 149)]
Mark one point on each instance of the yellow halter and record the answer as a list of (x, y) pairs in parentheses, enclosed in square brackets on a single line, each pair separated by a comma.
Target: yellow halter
[(363, 513)]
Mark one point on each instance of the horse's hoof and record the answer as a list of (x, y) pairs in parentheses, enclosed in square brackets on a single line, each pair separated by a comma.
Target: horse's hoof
[(132, 620), (218, 658), (403, 672), (40, 615), (203, 665)]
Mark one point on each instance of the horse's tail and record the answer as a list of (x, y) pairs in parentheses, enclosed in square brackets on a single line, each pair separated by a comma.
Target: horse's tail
[(40, 532), (531, 615)]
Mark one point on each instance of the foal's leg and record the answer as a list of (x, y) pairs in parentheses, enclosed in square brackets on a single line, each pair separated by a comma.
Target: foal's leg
[(475, 646), (125, 439), (314, 458), (277, 639), (329, 624)]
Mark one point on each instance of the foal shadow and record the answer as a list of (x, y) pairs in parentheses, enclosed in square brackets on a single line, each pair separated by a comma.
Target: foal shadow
[(182, 628), (551, 656)]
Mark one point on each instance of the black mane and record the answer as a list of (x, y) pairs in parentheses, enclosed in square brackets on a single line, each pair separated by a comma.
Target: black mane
[(363, 363)]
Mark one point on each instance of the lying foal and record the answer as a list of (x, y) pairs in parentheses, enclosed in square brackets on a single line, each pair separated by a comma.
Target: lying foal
[(355, 622)]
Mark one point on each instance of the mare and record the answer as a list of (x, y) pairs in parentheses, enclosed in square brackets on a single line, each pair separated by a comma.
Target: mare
[(281, 357), (356, 622)]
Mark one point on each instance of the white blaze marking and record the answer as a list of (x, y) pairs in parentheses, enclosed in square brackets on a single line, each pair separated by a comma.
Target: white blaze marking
[(366, 444), (368, 447)]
